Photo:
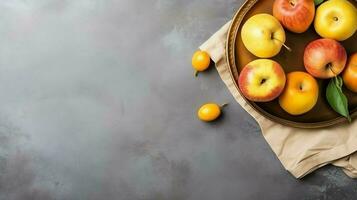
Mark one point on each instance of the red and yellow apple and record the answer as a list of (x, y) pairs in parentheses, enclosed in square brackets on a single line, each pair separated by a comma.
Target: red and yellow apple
[(336, 19), (262, 80), (295, 15), (350, 74), (325, 58), (300, 94)]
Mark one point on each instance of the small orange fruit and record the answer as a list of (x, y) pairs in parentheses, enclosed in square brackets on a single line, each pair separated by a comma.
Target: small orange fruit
[(200, 61), (209, 112)]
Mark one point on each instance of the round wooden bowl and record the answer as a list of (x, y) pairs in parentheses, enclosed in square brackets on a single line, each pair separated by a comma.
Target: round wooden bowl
[(238, 56)]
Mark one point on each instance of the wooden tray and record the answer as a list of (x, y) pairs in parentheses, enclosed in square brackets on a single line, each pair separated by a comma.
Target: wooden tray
[(238, 56)]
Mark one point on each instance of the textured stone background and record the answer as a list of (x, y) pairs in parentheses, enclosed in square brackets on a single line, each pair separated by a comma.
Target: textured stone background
[(98, 101)]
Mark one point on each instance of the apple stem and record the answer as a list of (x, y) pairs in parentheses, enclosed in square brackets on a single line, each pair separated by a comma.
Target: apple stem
[(195, 73), (286, 46), (334, 73)]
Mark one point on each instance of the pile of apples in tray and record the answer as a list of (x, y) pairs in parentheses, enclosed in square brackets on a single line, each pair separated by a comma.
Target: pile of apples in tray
[(264, 80)]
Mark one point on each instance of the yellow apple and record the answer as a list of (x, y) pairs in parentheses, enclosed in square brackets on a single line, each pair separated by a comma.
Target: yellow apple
[(262, 80), (300, 94), (263, 35), (336, 19)]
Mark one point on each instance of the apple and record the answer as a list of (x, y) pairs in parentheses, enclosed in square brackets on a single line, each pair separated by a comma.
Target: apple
[(325, 58), (295, 15), (300, 94), (336, 19), (350, 74), (262, 80), (263, 35)]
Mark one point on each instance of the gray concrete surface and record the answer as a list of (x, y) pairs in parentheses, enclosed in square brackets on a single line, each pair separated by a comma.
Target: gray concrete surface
[(98, 102)]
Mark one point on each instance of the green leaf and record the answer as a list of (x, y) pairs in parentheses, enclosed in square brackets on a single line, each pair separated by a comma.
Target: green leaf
[(318, 2), (336, 98)]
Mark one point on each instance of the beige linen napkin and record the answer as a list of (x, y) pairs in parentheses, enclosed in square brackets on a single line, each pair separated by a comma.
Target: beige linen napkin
[(301, 151)]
